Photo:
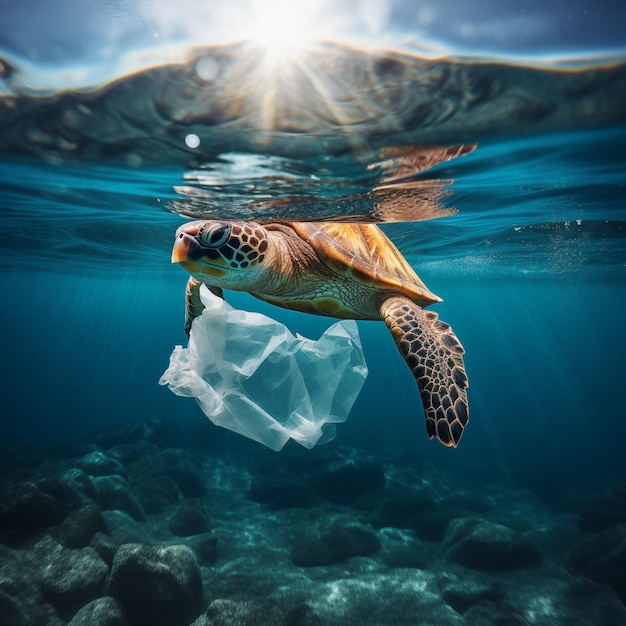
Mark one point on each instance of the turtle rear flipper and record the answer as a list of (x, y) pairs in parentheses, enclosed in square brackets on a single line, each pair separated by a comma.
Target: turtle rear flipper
[(435, 356), (193, 304)]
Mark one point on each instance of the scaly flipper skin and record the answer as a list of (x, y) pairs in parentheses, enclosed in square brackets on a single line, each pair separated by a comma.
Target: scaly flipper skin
[(435, 356), (193, 304)]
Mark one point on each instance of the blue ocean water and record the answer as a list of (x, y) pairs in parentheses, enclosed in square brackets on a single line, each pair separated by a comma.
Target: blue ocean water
[(528, 252), (531, 270)]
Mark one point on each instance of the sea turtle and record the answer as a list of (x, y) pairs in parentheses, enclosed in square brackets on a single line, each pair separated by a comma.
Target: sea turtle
[(339, 270)]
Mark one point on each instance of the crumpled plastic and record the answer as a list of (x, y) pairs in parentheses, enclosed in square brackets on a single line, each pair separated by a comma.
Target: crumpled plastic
[(251, 375)]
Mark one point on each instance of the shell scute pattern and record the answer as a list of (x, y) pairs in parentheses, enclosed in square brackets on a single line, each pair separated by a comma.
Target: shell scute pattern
[(363, 253)]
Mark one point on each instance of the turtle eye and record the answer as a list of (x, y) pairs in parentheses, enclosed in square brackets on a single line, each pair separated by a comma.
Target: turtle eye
[(216, 236)]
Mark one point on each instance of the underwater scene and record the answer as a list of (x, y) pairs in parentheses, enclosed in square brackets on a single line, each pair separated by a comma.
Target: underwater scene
[(313, 313)]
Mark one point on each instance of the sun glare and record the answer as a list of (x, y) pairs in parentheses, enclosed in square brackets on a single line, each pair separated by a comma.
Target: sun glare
[(284, 27)]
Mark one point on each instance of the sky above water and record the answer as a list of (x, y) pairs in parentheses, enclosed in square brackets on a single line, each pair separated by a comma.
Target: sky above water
[(66, 30)]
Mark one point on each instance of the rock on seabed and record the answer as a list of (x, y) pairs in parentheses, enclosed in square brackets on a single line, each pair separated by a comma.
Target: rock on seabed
[(157, 585)]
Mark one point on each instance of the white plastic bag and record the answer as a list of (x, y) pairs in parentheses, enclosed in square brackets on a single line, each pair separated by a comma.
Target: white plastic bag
[(251, 375)]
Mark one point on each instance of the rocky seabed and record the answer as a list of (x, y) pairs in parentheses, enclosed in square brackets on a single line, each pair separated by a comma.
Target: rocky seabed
[(127, 531)]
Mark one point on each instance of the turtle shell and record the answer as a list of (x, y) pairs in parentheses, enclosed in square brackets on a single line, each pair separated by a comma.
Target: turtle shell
[(363, 253)]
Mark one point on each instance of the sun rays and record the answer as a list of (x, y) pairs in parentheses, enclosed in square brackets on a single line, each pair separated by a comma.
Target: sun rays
[(310, 87)]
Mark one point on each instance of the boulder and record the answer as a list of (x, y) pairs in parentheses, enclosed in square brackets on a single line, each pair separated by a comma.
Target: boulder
[(124, 529), (105, 546), (190, 519), (21, 602), (156, 493), (101, 612), (185, 471), (115, 494), (81, 482), (483, 545), (72, 578), (157, 585), (333, 539), (80, 526), (36, 504), (178, 465), (462, 593), (135, 456), (99, 464)]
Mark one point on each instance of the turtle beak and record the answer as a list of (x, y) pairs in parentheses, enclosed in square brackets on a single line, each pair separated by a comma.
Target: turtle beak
[(186, 245)]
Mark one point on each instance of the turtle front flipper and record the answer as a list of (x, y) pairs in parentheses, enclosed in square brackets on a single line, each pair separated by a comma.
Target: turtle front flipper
[(193, 304), (435, 356)]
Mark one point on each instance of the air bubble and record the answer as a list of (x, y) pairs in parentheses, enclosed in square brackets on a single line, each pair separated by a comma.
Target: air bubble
[(207, 69), (192, 140)]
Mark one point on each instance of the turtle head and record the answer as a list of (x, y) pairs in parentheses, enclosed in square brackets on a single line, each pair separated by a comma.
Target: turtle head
[(221, 253)]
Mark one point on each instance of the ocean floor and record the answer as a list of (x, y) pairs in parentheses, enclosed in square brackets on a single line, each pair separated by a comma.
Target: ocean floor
[(129, 530)]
